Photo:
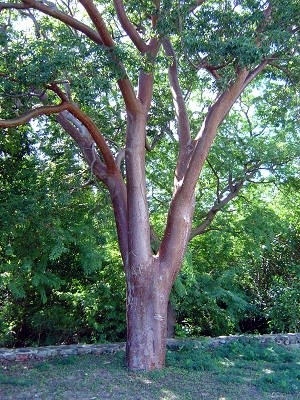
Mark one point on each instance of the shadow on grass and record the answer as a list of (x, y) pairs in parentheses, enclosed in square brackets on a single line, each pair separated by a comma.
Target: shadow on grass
[(272, 368), (232, 372), (8, 380)]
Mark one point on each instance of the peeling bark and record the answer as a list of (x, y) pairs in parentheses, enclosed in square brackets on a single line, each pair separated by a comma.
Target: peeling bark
[(149, 277), (147, 304)]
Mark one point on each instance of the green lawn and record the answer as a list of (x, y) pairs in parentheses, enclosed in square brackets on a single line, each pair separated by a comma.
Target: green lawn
[(232, 372)]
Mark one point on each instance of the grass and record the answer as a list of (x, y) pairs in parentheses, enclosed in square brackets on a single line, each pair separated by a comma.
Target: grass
[(232, 372)]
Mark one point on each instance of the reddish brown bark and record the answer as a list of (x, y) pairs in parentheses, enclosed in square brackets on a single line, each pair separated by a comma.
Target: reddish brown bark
[(149, 277), (147, 302), (57, 14)]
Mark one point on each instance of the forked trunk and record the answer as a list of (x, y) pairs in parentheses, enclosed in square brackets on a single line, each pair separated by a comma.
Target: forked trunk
[(147, 304)]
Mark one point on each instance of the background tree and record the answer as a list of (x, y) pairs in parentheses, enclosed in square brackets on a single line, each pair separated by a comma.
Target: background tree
[(61, 280), (84, 57), (244, 272), (227, 284)]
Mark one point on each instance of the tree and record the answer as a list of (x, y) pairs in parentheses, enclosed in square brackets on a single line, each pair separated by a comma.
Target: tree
[(97, 70), (243, 274), (59, 278)]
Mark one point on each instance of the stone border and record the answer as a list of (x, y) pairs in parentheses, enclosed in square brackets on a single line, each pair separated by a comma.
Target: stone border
[(42, 353), (288, 339)]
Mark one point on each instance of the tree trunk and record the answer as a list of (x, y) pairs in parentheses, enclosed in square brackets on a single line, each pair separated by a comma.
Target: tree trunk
[(147, 304)]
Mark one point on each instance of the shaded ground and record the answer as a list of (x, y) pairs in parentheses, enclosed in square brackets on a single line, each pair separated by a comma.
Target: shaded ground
[(233, 372)]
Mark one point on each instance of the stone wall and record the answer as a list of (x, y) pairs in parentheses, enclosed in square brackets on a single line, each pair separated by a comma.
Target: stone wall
[(289, 339), (41, 353)]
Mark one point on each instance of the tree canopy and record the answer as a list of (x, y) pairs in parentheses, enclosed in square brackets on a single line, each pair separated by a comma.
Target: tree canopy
[(143, 88)]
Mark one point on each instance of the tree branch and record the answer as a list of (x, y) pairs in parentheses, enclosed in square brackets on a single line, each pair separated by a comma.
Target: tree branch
[(14, 6), (113, 182), (30, 15), (96, 135), (132, 105), (145, 89), (50, 9), (185, 145), (218, 205), (120, 157), (57, 14), (234, 189), (145, 84), (102, 37), (56, 89), (196, 5), (73, 109), (129, 28), (246, 113), (208, 131), (283, 69), (217, 178), (85, 142), (29, 115), (253, 74), (179, 219), (97, 19)]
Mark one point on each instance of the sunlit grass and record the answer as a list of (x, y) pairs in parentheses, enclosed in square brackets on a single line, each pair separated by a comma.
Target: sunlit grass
[(234, 371), (268, 368)]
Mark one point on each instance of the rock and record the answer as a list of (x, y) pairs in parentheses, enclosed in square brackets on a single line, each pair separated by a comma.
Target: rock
[(24, 354)]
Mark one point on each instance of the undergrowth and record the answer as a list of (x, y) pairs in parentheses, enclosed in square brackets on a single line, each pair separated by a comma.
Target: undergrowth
[(271, 367)]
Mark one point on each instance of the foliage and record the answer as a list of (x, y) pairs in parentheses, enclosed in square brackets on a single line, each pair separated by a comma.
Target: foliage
[(208, 304), (60, 278), (244, 278), (60, 275), (63, 290)]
